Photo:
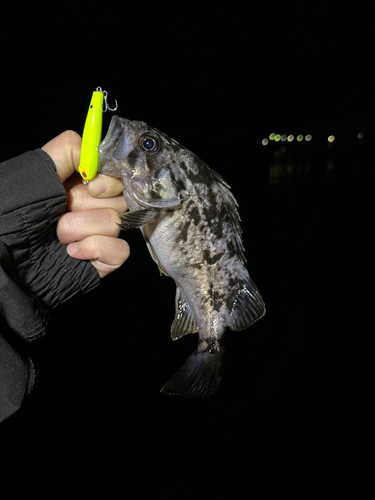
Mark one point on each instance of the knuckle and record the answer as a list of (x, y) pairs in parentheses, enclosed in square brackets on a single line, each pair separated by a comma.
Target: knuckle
[(95, 244), (125, 248), (69, 136), (75, 199), (63, 225), (68, 224)]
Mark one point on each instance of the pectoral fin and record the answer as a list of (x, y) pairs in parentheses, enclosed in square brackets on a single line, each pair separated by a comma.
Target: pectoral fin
[(137, 218)]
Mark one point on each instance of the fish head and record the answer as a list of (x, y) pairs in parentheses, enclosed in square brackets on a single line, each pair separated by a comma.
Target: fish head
[(146, 160)]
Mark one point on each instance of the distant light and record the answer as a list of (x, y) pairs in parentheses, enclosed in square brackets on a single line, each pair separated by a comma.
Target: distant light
[(290, 138), (299, 138), (272, 137), (283, 137), (265, 142), (277, 137), (308, 137), (360, 135), (331, 138)]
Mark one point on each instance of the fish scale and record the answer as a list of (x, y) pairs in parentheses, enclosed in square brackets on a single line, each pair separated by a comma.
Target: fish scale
[(189, 219)]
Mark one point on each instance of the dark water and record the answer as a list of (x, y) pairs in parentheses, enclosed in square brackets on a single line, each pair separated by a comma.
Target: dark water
[(293, 381)]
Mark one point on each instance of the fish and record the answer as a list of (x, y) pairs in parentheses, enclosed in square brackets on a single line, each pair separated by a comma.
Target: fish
[(189, 219)]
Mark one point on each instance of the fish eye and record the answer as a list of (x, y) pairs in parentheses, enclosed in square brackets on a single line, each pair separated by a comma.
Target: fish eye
[(149, 143)]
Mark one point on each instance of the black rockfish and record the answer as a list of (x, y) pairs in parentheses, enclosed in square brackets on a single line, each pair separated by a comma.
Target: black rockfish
[(188, 217)]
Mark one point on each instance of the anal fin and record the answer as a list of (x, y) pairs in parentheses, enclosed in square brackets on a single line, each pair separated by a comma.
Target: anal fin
[(184, 321)]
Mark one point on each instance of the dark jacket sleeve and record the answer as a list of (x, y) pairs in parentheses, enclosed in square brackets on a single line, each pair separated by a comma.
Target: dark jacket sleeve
[(36, 272)]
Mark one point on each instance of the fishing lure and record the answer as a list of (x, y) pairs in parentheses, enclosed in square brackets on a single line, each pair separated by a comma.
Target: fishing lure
[(92, 134)]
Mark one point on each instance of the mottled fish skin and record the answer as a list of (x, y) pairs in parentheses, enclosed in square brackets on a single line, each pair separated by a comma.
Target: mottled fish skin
[(189, 220)]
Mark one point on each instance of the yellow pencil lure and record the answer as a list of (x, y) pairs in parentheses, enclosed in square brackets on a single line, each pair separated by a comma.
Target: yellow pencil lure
[(92, 135)]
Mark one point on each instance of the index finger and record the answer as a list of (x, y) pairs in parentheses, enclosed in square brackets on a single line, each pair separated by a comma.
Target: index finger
[(79, 199), (64, 151), (105, 186)]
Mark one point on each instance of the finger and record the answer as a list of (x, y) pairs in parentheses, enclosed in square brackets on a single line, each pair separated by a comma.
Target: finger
[(105, 186), (106, 254), (75, 226), (65, 150), (80, 199), (74, 180)]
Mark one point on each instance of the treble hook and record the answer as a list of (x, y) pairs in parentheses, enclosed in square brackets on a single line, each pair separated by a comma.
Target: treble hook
[(105, 107)]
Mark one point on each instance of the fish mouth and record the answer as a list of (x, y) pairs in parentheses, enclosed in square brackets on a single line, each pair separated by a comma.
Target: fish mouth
[(114, 147), (111, 141)]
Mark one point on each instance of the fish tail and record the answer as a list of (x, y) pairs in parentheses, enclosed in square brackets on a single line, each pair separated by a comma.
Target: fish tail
[(200, 375)]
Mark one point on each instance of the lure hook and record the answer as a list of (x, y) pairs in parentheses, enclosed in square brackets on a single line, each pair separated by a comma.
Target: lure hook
[(106, 107)]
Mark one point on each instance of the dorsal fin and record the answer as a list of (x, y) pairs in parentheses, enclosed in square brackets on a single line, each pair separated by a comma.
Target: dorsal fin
[(248, 306), (234, 216)]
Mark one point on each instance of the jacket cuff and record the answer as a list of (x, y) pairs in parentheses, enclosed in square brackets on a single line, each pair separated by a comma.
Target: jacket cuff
[(22, 178), (35, 264)]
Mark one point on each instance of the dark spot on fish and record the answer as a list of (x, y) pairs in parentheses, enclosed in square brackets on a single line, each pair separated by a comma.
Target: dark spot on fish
[(231, 248), (150, 162), (188, 204), (210, 210), (196, 265), (191, 215), (195, 215), (155, 192), (209, 213), (178, 182), (232, 282), (192, 174), (215, 298), (132, 157), (222, 218), (216, 301), (183, 232), (184, 250), (211, 259), (180, 185)]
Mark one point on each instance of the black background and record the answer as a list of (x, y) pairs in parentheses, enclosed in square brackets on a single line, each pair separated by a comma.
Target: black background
[(295, 392)]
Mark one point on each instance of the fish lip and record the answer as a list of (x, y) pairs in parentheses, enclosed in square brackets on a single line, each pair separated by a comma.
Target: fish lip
[(112, 126), (112, 138)]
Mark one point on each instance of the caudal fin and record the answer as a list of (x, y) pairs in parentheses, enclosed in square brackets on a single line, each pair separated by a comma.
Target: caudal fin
[(199, 376)]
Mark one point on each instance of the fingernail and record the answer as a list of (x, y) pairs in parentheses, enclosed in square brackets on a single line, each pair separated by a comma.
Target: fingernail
[(72, 248), (99, 185)]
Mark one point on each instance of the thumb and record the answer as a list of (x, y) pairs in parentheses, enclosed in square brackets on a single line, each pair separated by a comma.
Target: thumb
[(65, 150)]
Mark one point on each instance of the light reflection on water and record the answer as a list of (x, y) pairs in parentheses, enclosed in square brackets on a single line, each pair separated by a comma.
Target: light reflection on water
[(307, 158), (286, 173), (309, 161)]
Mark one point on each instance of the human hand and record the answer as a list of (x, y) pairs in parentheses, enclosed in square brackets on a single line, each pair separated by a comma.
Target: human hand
[(89, 226)]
